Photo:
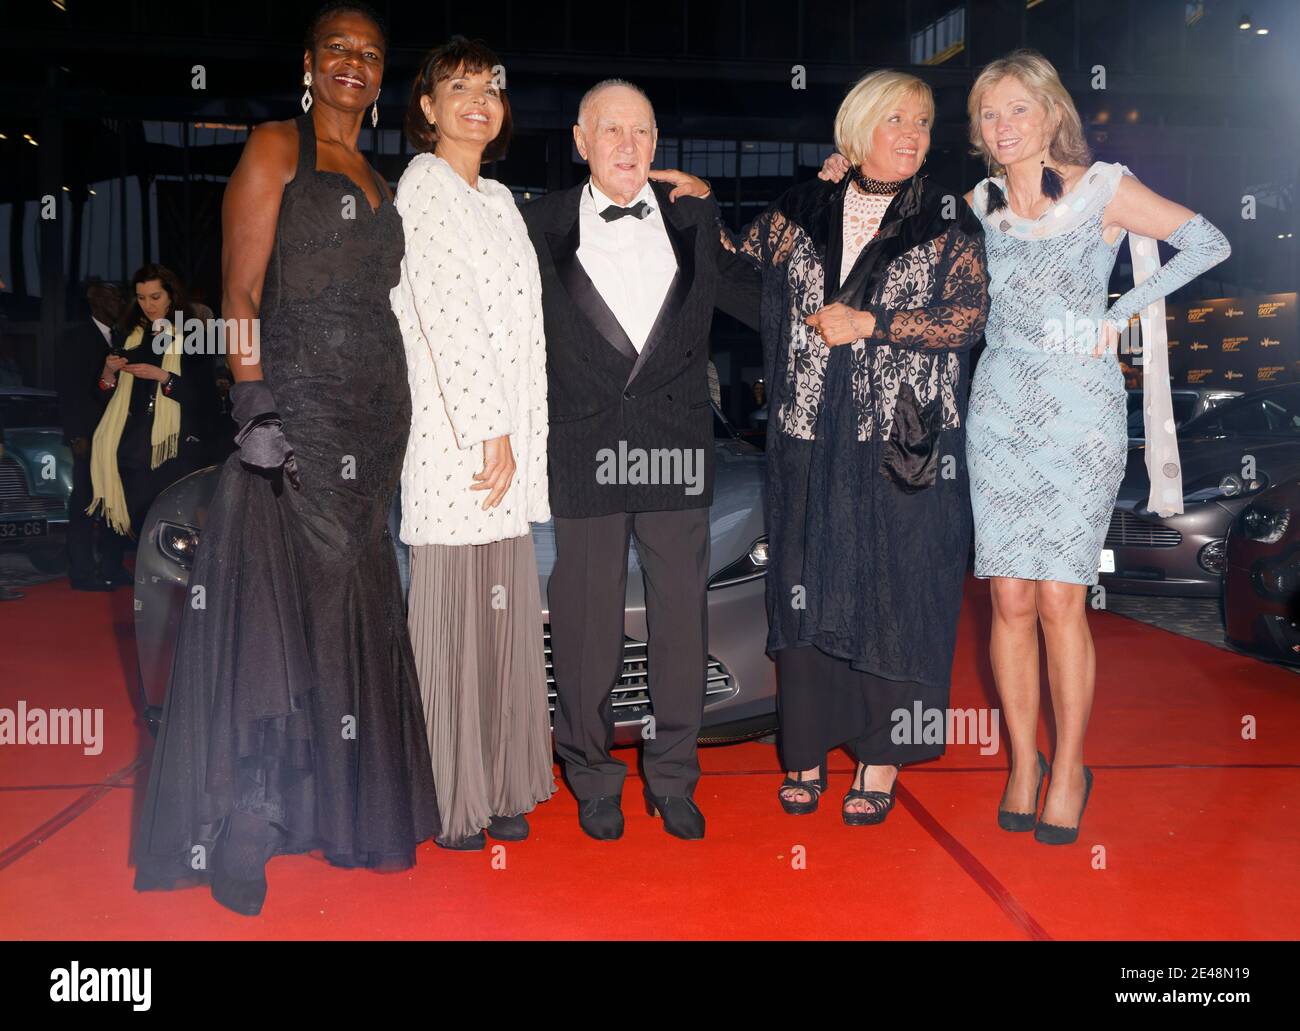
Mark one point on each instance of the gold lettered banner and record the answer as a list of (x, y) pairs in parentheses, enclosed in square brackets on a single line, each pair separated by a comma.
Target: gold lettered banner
[(1233, 342)]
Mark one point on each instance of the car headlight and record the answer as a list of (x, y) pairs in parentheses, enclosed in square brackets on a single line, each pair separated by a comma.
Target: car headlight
[(1213, 557), (750, 566), (1278, 578), (1263, 524), (1229, 486), (178, 543)]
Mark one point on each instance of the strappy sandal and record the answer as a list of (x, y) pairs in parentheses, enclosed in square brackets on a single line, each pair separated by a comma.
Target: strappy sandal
[(883, 801), (814, 787)]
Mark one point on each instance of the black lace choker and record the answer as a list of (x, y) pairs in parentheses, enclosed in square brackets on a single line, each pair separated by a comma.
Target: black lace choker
[(878, 186)]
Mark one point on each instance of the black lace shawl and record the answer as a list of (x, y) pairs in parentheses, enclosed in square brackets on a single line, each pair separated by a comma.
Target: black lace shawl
[(867, 505)]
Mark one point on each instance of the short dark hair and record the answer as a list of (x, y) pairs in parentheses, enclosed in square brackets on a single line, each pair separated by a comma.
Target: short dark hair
[(467, 56), (106, 300), (335, 7), (134, 316)]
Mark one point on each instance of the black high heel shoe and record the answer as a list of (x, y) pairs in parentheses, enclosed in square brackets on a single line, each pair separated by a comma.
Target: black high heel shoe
[(814, 787), (246, 845), (1018, 822), (508, 828), (1054, 834), (475, 842), (883, 801)]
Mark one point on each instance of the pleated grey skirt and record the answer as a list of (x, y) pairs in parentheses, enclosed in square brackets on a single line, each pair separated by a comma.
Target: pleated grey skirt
[(476, 628)]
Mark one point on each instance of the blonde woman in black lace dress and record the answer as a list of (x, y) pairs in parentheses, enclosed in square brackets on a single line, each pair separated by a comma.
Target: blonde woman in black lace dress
[(874, 291)]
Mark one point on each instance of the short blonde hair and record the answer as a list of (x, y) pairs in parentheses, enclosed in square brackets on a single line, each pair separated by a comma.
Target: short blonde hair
[(1037, 74), (866, 105)]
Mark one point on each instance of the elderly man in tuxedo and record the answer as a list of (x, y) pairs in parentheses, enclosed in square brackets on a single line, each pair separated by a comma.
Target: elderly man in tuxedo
[(630, 280)]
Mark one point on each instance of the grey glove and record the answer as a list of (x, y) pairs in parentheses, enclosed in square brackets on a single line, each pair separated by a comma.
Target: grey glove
[(261, 435)]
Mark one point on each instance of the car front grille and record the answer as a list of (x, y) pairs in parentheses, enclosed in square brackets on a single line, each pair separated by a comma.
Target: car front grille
[(631, 694), (15, 498), (1128, 531)]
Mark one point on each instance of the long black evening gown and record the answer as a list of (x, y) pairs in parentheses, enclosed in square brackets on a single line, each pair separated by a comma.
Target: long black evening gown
[(293, 694)]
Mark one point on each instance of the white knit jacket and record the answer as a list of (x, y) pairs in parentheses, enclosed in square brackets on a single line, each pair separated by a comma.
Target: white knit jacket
[(469, 304)]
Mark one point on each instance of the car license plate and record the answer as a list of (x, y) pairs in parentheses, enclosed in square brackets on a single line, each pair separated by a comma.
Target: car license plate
[(22, 530), (1107, 561)]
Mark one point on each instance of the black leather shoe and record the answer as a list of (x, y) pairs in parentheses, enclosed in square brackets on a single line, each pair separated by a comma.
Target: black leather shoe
[(122, 579), (508, 828), (91, 583), (682, 817), (602, 818), (472, 843)]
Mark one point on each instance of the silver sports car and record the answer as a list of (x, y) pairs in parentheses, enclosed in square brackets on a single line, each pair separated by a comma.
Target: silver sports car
[(740, 696), (1229, 454)]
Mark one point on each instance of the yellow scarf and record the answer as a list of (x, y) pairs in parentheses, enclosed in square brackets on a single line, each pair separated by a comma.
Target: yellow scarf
[(165, 436)]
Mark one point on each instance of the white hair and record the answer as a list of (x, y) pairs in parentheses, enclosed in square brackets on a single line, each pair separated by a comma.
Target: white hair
[(584, 105)]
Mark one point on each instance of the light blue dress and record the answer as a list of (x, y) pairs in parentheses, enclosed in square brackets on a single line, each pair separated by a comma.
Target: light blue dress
[(1046, 433)]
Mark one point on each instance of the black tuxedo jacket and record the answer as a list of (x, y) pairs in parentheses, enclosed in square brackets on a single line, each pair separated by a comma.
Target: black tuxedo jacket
[(602, 393), (80, 363)]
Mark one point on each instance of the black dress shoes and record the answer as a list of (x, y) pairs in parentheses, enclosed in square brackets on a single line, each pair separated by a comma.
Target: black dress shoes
[(508, 828), (601, 818), (682, 817), (91, 583)]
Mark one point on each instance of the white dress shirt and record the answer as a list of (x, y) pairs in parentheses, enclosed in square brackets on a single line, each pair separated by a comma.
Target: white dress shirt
[(630, 260), (104, 330)]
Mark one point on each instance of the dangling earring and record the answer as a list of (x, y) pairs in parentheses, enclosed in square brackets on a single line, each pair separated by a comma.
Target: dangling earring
[(1052, 185), (374, 111), (993, 198), (306, 93)]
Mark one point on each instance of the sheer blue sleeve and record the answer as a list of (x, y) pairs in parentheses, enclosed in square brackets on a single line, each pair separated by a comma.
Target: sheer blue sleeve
[(1200, 247)]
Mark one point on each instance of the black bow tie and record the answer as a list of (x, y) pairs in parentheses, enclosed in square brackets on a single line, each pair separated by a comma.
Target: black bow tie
[(640, 209)]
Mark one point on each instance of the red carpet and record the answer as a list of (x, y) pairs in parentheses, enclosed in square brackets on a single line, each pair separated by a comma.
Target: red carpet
[(1191, 832)]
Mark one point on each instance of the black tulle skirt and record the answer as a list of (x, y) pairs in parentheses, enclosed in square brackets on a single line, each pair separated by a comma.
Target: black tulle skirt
[(293, 693)]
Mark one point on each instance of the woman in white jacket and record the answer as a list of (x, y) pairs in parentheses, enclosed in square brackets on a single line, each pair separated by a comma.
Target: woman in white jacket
[(469, 306)]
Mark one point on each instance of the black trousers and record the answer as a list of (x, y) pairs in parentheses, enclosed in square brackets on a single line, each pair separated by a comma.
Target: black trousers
[(823, 703), (586, 599), (81, 527)]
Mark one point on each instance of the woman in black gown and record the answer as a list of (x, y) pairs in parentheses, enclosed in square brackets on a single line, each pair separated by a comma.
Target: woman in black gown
[(293, 718)]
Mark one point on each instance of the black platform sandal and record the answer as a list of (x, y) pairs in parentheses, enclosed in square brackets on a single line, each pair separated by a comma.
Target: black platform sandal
[(814, 787), (1018, 822), (882, 800)]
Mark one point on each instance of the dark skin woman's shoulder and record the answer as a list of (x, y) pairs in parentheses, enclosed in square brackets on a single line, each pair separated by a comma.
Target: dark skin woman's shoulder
[(272, 148)]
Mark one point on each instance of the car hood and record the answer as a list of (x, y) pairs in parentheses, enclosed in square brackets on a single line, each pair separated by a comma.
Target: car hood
[(1204, 458), (735, 519)]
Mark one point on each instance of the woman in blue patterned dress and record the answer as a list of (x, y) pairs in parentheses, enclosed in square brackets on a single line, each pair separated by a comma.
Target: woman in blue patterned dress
[(1046, 436)]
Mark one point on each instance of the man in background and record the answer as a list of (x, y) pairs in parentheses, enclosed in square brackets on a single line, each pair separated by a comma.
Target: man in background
[(80, 363)]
